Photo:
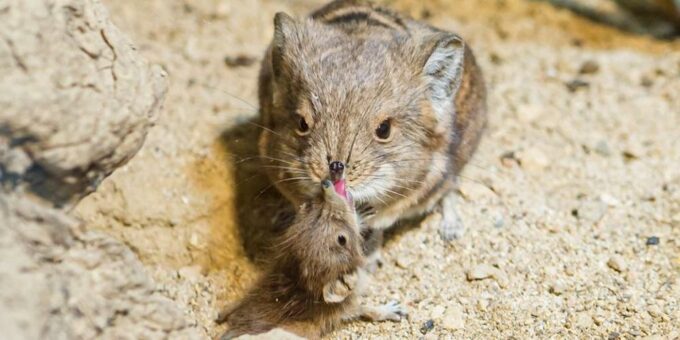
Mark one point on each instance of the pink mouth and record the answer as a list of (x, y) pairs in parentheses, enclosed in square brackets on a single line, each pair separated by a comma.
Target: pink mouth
[(341, 189)]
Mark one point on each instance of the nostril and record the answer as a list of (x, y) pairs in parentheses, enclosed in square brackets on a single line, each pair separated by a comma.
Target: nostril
[(336, 168)]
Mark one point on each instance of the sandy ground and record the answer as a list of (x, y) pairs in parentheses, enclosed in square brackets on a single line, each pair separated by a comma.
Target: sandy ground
[(577, 178)]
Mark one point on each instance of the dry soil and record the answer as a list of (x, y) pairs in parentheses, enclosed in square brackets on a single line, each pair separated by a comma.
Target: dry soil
[(572, 202)]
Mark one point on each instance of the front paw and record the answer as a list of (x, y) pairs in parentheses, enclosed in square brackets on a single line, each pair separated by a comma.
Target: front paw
[(447, 223), (374, 261), (451, 227), (338, 290)]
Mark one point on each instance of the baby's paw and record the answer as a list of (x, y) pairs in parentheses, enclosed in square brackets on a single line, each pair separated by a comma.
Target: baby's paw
[(392, 311)]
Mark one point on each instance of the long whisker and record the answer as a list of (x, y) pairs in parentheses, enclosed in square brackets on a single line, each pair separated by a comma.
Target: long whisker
[(281, 181)]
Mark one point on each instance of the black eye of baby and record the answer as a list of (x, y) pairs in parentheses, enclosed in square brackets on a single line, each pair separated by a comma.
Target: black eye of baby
[(383, 130), (342, 240), (302, 126)]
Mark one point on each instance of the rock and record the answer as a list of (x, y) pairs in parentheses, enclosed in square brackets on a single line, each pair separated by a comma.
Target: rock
[(591, 211), (589, 67), (652, 241), (602, 148), (427, 326), (557, 288), (655, 312), (58, 279), (583, 320), (529, 113), (240, 60), (676, 218), (480, 272), (498, 220), (576, 84), (454, 319), (474, 191), (509, 159), (534, 160), (617, 263), (437, 312), (404, 262), (484, 271), (609, 200), (66, 66), (77, 101), (598, 319)]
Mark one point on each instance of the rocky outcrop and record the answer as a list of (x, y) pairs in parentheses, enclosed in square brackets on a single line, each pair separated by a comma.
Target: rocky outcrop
[(61, 282), (76, 102)]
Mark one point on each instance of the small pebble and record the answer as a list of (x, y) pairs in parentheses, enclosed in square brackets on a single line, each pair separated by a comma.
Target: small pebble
[(617, 263), (583, 320), (508, 159), (609, 200), (676, 218), (602, 148), (484, 271), (403, 262), (655, 312), (534, 160), (591, 211), (557, 288), (482, 304), (613, 336), (427, 326), (454, 319), (239, 60), (480, 272), (598, 319), (652, 241), (529, 113), (576, 84), (475, 191), (437, 312), (498, 221), (589, 67)]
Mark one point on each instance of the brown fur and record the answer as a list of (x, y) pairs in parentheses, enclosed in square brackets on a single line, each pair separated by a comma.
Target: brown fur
[(309, 256), (347, 68)]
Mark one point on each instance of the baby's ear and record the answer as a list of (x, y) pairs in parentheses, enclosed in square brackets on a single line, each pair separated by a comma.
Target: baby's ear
[(443, 71), (284, 30)]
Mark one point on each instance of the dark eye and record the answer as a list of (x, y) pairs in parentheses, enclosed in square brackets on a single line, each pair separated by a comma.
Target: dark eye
[(302, 126), (383, 130), (342, 240)]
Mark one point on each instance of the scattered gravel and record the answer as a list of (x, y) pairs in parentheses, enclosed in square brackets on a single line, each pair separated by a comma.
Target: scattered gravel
[(617, 263), (484, 271), (528, 50), (652, 241), (427, 326), (454, 319)]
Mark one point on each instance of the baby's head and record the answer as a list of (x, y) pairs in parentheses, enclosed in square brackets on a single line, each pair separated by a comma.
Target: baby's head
[(374, 111), (324, 241)]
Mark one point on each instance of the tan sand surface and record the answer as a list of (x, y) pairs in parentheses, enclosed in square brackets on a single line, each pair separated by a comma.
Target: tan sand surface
[(569, 184)]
